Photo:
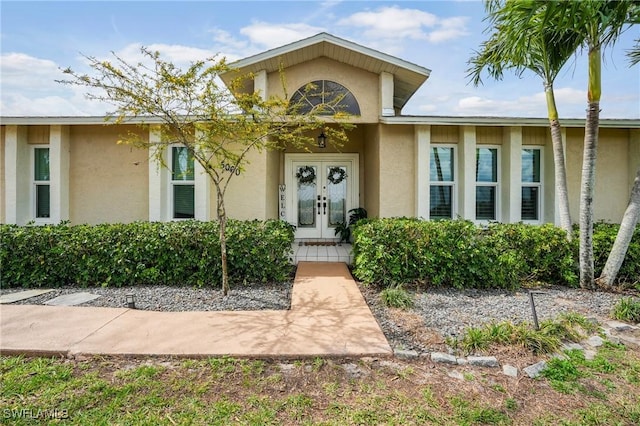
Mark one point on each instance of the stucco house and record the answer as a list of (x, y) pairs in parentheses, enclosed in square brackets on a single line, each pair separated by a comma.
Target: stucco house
[(478, 168)]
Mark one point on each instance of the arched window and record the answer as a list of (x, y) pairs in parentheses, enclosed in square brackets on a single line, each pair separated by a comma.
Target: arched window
[(333, 97)]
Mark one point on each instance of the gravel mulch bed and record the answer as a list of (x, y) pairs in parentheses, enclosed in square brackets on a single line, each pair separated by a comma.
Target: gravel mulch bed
[(176, 299), (445, 312)]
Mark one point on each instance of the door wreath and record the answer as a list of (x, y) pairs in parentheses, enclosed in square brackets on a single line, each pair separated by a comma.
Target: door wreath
[(336, 175), (306, 174)]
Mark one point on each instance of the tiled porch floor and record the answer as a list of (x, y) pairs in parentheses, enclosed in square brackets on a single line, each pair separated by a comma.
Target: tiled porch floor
[(337, 253)]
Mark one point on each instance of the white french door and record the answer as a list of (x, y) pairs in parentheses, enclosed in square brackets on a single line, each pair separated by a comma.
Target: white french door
[(321, 189)]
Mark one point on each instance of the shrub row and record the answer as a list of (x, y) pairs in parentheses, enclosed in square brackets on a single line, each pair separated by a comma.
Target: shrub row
[(460, 254), (604, 234), (143, 253)]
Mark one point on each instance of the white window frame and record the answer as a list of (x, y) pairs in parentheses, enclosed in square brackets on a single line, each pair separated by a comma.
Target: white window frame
[(35, 183), (495, 184), (173, 183), (452, 184), (539, 185)]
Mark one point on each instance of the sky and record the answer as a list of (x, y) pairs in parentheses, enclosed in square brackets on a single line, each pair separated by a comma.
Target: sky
[(39, 39)]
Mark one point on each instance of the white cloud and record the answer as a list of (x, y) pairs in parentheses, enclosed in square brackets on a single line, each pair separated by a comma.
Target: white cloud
[(268, 35), (450, 29), (398, 23), (534, 105), (19, 105), (19, 70), (175, 53)]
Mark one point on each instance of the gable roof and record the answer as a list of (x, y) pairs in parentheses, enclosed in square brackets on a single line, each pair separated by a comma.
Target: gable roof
[(407, 77)]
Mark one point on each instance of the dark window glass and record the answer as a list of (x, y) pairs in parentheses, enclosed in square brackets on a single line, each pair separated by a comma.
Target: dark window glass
[(529, 206), (441, 164), (183, 202), (41, 168), (43, 202), (486, 203), (182, 164), (440, 205), (530, 165)]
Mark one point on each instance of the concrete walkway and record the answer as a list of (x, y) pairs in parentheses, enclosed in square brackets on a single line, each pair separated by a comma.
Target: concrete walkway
[(328, 317)]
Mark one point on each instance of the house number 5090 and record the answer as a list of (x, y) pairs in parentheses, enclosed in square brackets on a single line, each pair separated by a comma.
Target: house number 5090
[(231, 169)]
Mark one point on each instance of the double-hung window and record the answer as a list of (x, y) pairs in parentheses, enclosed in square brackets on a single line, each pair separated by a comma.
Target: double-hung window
[(531, 205), (487, 178), (182, 183), (41, 183), (442, 182)]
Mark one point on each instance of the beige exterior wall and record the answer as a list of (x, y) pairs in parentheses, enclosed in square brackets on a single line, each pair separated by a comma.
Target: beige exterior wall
[(371, 171), (108, 182), (246, 196), (489, 135), (362, 84), (445, 134), (271, 184), (613, 168), (397, 171), (535, 136)]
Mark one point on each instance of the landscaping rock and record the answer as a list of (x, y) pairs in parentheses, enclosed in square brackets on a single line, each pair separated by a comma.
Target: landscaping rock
[(455, 374), (510, 370), (595, 341), (462, 361), (406, 354), (483, 361), (444, 358), (618, 326), (353, 370), (534, 370), (573, 346)]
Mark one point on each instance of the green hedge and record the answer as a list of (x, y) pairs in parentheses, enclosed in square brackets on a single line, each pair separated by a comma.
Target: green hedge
[(457, 253), (143, 253), (450, 253), (604, 234)]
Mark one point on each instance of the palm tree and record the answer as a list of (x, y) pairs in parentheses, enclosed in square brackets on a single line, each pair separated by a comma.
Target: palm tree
[(523, 40), (632, 213), (599, 23), (625, 234)]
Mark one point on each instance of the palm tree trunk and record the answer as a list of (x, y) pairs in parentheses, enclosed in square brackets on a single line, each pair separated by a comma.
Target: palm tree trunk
[(587, 185), (560, 169), (625, 234)]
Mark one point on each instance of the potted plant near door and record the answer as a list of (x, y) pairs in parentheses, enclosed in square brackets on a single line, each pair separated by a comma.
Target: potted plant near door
[(343, 230)]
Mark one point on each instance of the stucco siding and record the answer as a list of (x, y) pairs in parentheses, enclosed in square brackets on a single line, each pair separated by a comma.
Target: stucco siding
[(445, 134), (612, 171), (371, 172), (246, 195), (38, 135), (397, 171), (489, 135), (535, 135), (108, 182)]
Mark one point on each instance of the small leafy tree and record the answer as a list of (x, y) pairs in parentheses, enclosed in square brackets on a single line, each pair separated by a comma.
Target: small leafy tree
[(218, 125)]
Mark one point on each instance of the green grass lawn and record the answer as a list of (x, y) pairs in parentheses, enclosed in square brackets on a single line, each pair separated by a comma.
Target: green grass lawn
[(223, 391)]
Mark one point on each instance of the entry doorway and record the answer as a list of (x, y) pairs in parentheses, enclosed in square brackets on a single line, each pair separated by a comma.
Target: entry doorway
[(320, 191)]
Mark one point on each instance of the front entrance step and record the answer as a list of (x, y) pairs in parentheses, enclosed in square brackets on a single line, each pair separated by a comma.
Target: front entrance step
[(321, 252)]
